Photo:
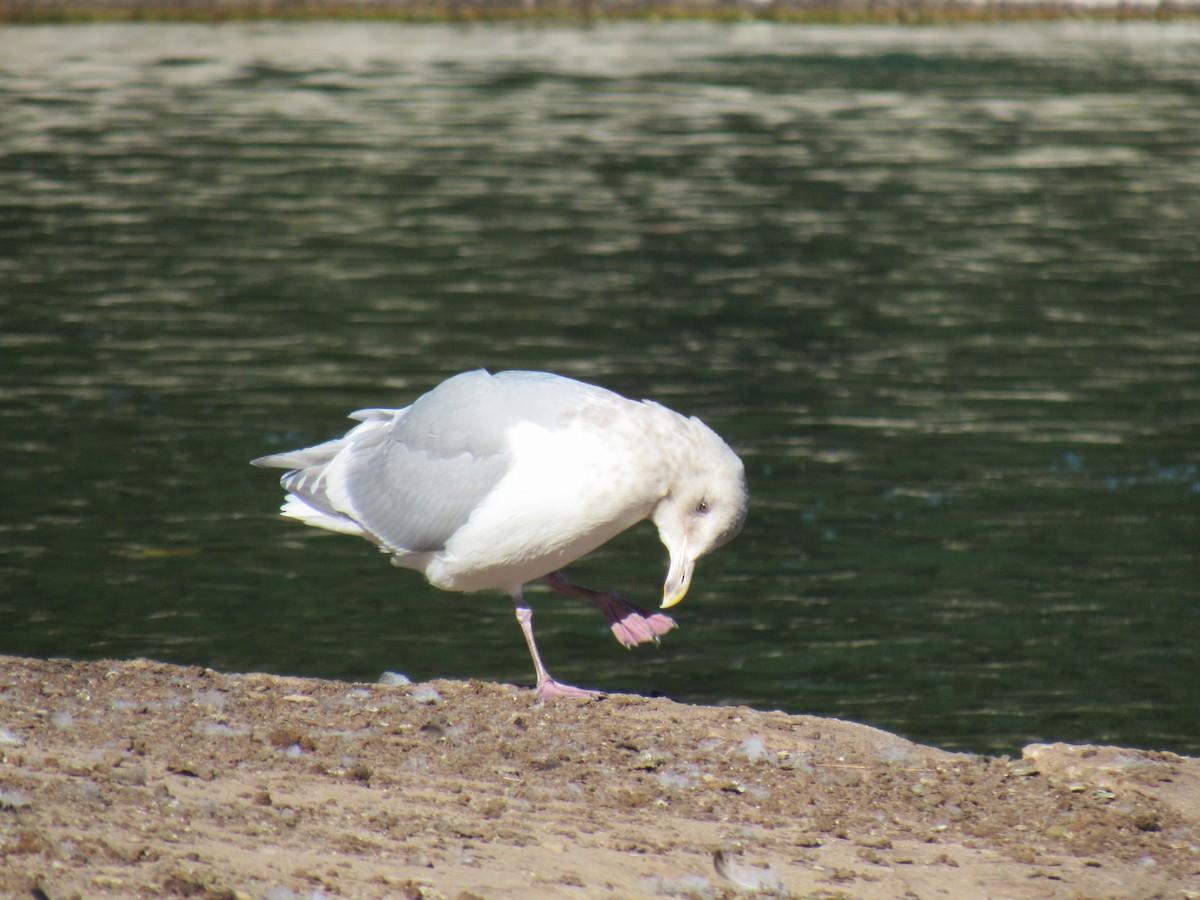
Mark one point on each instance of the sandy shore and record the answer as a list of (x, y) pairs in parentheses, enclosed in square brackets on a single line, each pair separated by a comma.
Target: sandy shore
[(125, 779)]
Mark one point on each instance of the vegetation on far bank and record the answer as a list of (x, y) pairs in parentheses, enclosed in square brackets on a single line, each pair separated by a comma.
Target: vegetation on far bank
[(847, 12)]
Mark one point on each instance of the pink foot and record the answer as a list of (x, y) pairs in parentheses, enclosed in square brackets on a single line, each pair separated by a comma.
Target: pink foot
[(554, 690), (631, 625)]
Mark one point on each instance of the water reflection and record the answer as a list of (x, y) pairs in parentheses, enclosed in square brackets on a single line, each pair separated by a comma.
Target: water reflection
[(937, 286)]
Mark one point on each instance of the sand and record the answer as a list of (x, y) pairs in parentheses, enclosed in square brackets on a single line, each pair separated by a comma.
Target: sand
[(136, 778)]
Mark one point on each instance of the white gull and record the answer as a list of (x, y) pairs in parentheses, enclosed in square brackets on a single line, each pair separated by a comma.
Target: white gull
[(489, 482)]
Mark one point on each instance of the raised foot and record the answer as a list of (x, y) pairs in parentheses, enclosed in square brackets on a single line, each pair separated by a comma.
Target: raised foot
[(635, 627), (554, 690), (631, 625)]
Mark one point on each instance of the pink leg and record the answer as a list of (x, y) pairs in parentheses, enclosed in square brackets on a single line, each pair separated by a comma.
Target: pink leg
[(630, 625), (547, 687)]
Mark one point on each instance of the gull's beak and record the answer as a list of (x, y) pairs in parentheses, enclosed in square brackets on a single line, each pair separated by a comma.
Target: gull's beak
[(679, 576)]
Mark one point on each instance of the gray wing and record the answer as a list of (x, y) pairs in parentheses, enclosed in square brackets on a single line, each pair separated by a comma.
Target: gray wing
[(414, 484), (411, 499), (412, 478)]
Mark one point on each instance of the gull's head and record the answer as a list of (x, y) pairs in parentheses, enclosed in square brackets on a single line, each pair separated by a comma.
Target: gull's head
[(704, 507)]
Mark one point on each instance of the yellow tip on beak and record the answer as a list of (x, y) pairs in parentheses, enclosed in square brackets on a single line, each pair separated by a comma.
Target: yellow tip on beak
[(670, 600), (679, 579)]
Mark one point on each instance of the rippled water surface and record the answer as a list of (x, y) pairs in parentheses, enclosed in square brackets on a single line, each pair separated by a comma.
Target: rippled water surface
[(938, 287)]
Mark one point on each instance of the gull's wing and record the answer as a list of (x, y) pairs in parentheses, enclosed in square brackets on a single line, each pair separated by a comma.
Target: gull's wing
[(411, 478), (412, 497)]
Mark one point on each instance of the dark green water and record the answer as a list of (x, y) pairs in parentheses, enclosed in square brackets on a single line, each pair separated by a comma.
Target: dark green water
[(938, 287)]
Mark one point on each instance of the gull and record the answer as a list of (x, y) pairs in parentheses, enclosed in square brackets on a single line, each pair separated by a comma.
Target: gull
[(489, 482)]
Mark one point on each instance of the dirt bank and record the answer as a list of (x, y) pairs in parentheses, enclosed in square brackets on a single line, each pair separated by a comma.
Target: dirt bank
[(586, 11), (125, 779)]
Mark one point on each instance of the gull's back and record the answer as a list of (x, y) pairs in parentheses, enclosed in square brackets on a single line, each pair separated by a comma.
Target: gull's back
[(409, 479)]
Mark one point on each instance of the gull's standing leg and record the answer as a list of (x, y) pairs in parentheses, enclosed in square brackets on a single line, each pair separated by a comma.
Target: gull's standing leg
[(547, 687), (630, 624)]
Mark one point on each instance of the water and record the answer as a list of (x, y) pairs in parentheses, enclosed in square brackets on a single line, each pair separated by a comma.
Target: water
[(938, 287)]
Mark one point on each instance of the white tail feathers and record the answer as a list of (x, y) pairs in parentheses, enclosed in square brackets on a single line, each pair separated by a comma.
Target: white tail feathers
[(295, 508)]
